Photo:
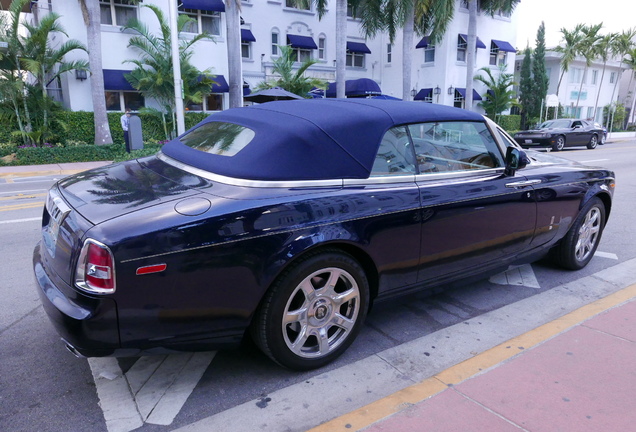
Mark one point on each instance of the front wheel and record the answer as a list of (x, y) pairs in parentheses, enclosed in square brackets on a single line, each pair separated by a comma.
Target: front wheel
[(579, 245), (593, 142), (559, 143), (313, 312)]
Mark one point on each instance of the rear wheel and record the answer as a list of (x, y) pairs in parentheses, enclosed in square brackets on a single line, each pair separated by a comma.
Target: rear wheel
[(559, 143), (313, 312), (579, 245), (593, 142)]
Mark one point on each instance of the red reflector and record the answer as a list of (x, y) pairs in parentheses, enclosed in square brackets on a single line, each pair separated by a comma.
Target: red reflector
[(151, 269)]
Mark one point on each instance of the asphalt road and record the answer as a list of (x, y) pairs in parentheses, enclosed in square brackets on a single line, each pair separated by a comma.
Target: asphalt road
[(44, 388)]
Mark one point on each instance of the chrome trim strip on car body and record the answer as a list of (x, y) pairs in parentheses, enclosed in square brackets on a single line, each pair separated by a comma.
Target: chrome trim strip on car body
[(245, 182)]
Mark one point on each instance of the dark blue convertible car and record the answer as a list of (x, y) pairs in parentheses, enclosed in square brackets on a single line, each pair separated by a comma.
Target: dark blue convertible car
[(287, 220)]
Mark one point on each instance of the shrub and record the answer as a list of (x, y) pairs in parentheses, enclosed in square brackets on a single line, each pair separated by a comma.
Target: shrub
[(509, 122)]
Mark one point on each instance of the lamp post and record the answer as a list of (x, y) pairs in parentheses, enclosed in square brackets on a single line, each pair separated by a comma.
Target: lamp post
[(451, 90), (437, 91)]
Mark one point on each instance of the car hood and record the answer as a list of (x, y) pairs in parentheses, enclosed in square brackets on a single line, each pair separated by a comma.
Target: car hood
[(114, 190)]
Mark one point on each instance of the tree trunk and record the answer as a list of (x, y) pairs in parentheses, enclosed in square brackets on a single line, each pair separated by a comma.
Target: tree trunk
[(598, 93), (234, 60), (407, 59), (341, 47), (471, 51), (91, 13), (578, 98)]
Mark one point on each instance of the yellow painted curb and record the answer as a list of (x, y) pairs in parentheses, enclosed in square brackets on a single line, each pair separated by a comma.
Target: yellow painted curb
[(40, 173), (419, 392)]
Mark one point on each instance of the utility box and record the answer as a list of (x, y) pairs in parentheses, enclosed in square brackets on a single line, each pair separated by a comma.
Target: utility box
[(135, 136)]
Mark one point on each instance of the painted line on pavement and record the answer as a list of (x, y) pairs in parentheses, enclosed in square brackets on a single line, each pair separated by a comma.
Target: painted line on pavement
[(21, 220), (606, 255), (22, 206), (398, 401)]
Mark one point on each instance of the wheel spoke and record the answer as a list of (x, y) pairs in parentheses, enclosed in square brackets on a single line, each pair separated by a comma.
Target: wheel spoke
[(330, 287), (308, 289), (296, 316), (323, 341), (297, 345), (342, 298), (342, 322)]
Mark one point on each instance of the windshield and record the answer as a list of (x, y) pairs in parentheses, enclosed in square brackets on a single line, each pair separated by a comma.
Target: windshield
[(224, 139), (555, 124)]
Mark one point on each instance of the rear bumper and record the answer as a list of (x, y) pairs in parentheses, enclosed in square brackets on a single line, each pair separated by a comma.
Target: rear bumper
[(87, 324), (535, 142)]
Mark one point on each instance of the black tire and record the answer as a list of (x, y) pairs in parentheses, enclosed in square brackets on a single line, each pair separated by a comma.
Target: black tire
[(579, 245), (301, 323), (593, 142), (559, 144)]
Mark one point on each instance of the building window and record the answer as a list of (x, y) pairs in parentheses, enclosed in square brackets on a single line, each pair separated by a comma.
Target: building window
[(302, 54), (458, 100), (213, 102), (429, 53), (590, 112), (612, 77), (461, 49), (204, 21), (576, 76), (497, 56), (117, 12), (321, 48), (388, 53), (350, 11), (355, 59), (594, 76), (275, 43), (120, 100), (246, 50), (298, 4)]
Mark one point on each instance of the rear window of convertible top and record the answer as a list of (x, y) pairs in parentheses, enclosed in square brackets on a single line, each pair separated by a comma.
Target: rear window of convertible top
[(220, 138)]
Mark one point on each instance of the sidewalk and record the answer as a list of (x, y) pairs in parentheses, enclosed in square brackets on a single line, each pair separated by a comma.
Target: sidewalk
[(49, 169), (574, 374)]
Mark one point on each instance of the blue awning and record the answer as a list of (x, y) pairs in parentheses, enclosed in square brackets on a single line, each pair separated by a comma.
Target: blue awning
[(303, 42), (480, 44), (114, 80), (504, 46), (219, 85), (357, 87), (424, 43), (358, 47), (247, 36), (246, 89), (462, 91), (423, 94), (204, 5)]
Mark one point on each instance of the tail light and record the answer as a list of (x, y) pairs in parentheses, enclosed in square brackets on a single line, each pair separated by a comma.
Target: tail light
[(95, 268)]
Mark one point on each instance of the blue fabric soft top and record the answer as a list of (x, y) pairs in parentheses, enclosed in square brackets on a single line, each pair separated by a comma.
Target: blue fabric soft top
[(317, 139)]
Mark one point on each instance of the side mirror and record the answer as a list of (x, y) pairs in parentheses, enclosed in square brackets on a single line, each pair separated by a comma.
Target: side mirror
[(515, 159)]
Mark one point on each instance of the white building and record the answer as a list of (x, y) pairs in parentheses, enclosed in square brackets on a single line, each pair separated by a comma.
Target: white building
[(582, 87), (438, 72)]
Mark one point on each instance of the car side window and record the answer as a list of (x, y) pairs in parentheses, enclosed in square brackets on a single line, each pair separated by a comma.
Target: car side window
[(395, 155), (454, 146)]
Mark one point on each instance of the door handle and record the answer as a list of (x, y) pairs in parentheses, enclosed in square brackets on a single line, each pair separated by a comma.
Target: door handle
[(523, 183)]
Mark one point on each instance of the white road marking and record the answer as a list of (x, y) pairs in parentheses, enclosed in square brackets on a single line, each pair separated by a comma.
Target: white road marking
[(594, 160), (118, 405), (153, 391), (21, 220), (606, 255), (520, 276)]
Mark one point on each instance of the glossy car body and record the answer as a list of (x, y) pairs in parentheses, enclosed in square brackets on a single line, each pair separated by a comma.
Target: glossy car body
[(325, 207), (561, 133)]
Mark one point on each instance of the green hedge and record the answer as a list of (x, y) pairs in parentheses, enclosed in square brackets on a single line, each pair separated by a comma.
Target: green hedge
[(509, 123), (79, 153), (79, 126)]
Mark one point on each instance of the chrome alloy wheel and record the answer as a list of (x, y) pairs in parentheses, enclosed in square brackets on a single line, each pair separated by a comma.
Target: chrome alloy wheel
[(321, 312), (588, 234)]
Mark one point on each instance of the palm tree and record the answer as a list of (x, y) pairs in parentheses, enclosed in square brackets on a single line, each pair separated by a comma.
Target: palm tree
[(569, 50), (623, 44), (91, 14), (500, 96), (46, 64), (154, 75), (490, 7), (424, 17), (341, 37), (293, 81), (234, 60), (588, 50), (604, 52), (630, 61)]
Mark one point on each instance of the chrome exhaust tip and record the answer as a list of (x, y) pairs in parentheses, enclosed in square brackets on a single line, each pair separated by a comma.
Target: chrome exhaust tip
[(72, 349)]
